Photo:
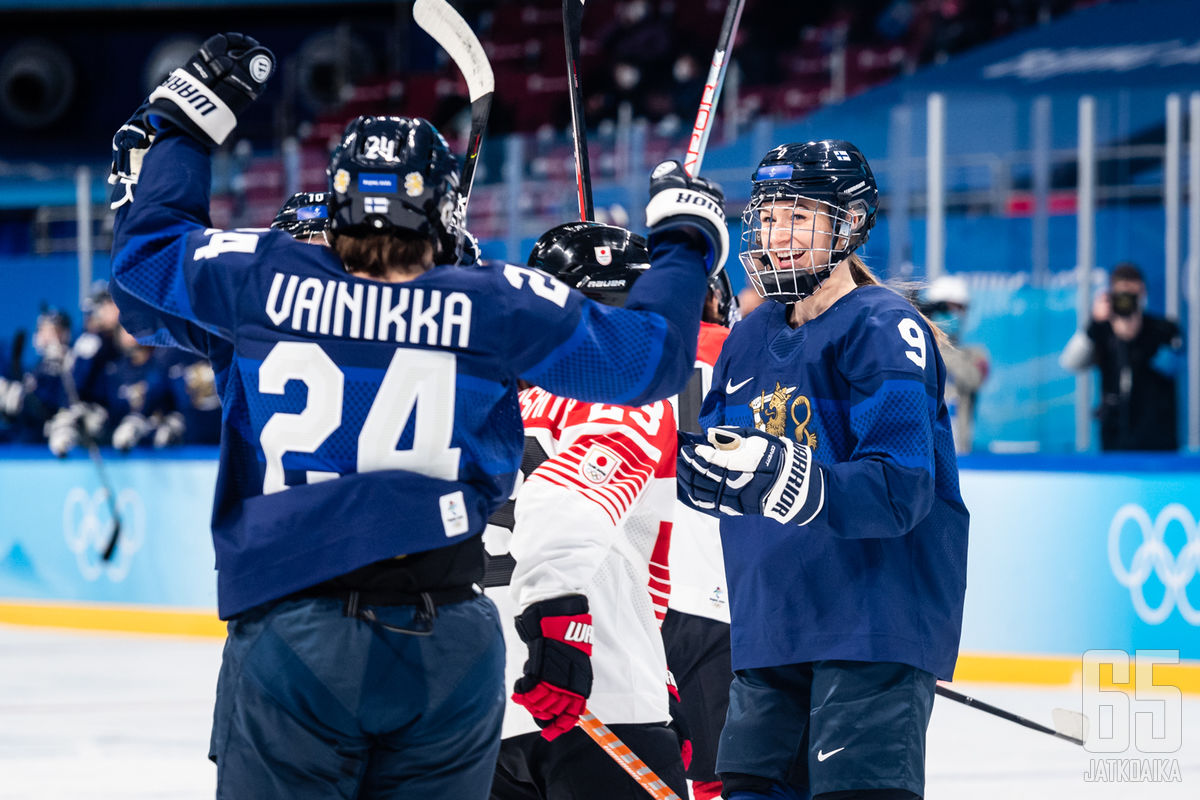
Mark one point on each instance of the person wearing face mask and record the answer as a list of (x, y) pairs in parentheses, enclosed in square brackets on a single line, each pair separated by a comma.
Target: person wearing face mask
[(1138, 355), (945, 301)]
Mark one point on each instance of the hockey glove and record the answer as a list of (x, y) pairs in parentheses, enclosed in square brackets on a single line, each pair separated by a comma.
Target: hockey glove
[(558, 674), (130, 431), (697, 205), (205, 96), (130, 143), (745, 471)]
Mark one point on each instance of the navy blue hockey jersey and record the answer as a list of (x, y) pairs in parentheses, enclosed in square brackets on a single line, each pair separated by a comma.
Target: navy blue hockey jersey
[(880, 573), (364, 420)]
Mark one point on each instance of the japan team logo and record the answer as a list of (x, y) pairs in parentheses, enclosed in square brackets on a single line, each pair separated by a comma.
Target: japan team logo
[(88, 525), (599, 464), (1154, 557), (603, 256)]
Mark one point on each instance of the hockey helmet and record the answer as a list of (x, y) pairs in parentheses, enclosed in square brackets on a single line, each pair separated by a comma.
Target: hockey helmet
[(727, 305), (392, 174), (815, 199), (304, 214), (602, 261)]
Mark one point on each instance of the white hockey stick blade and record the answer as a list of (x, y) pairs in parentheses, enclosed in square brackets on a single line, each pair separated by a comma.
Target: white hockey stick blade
[(1070, 723), (439, 19)]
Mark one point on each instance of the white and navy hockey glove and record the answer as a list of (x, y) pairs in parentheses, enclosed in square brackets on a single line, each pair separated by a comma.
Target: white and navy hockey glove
[(130, 143), (205, 96), (745, 471), (680, 201)]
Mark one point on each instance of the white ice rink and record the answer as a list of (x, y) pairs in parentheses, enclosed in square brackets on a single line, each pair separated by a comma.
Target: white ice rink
[(98, 716)]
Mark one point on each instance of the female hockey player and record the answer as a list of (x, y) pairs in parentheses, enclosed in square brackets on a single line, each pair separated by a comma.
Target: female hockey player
[(830, 462), (589, 535), (370, 427)]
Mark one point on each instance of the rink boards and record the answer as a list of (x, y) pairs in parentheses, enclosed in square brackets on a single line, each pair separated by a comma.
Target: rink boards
[(1067, 555)]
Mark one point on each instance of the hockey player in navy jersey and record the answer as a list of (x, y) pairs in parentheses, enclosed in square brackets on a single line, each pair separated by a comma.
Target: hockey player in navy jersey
[(371, 425), (830, 461), (589, 533)]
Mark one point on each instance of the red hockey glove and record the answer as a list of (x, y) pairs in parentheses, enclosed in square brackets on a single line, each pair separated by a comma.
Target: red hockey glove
[(558, 674)]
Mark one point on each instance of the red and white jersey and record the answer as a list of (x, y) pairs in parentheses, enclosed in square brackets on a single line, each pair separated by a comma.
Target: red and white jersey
[(697, 565), (593, 518)]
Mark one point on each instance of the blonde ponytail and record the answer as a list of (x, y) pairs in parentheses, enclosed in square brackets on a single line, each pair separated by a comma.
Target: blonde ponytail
[(863, 276)]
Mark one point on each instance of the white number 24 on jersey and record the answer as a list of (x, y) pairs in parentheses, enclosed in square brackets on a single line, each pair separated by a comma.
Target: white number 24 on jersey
[(424, 375)]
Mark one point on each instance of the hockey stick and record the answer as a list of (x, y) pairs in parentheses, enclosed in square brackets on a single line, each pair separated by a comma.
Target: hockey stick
[(16, 354), (94, 451), (1069, 725), (572, 24), (447, 27), (712, 89), (625, 758)]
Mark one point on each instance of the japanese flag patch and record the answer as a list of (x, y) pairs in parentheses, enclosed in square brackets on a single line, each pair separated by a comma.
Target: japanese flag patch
[(603, 256), (599, 464)]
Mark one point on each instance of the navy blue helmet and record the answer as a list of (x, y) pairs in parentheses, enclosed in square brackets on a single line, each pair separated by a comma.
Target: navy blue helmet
[(811, 206), (396, 174), (304, 214)]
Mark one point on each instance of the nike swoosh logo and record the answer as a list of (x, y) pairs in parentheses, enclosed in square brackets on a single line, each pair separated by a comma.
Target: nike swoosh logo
[(731, 387), (821, 755)]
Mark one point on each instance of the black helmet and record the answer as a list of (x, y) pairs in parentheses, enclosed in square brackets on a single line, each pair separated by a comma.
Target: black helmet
[(602, 261), (828, 178), (727, 305), (304, 214), (392, 174)]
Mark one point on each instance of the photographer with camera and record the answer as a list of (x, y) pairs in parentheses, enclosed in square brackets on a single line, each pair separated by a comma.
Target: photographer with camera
[(1138, 355)]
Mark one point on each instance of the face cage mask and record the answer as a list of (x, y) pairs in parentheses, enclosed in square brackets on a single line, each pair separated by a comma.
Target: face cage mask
[(773, 238)]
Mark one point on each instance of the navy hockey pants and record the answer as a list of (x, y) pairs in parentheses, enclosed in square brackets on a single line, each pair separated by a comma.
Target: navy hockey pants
[(314, 704)]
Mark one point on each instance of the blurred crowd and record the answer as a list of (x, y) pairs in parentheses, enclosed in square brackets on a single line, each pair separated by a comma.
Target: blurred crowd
[(103, 388)]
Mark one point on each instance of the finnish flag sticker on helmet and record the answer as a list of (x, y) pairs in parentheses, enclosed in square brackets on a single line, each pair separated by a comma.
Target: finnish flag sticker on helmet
[(260, 68), (603, 256), (375, 205)]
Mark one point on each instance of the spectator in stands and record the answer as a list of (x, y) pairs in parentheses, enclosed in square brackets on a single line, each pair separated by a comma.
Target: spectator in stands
[(946, 301), (1138, 355)]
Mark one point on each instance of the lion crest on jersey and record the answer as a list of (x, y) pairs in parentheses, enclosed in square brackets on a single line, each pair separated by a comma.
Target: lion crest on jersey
[(771, 413)]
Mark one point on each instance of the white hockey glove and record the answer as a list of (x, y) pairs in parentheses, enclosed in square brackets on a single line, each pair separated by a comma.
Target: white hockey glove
[(12, 397), (745, 471), (170, 430), (205, 96), (679, 201)]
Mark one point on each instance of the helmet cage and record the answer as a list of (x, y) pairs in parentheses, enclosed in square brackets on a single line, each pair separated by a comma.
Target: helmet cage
[(774, 238)]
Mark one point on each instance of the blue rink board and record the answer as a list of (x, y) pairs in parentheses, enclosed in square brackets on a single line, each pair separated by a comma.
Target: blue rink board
[(1052, 571)]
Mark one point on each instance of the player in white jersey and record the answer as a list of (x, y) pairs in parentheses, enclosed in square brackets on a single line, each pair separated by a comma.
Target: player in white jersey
[(696, 629), (585, 550)]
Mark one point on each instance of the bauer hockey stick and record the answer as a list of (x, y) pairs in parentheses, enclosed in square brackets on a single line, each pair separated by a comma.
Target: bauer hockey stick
[(712, 89), (447, 27), (625, 758), (1069, 725), (572, 24), (93, 449)]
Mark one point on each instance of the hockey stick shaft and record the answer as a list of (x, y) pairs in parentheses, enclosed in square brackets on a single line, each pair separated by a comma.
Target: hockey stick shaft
[(950, 694), (619, 752), (572, 25), (16, 355), (93, 449), (452, 33), (712, 89)]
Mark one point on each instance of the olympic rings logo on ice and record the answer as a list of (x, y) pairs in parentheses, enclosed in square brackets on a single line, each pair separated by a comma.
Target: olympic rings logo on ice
[(1153, 556), (88, 525)]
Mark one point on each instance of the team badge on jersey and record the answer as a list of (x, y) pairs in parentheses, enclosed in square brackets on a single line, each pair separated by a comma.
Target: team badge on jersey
[(599, 464), (771, 412)]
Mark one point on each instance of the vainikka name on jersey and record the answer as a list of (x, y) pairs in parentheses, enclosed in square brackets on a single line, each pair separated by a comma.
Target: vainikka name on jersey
[(368, 311)]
